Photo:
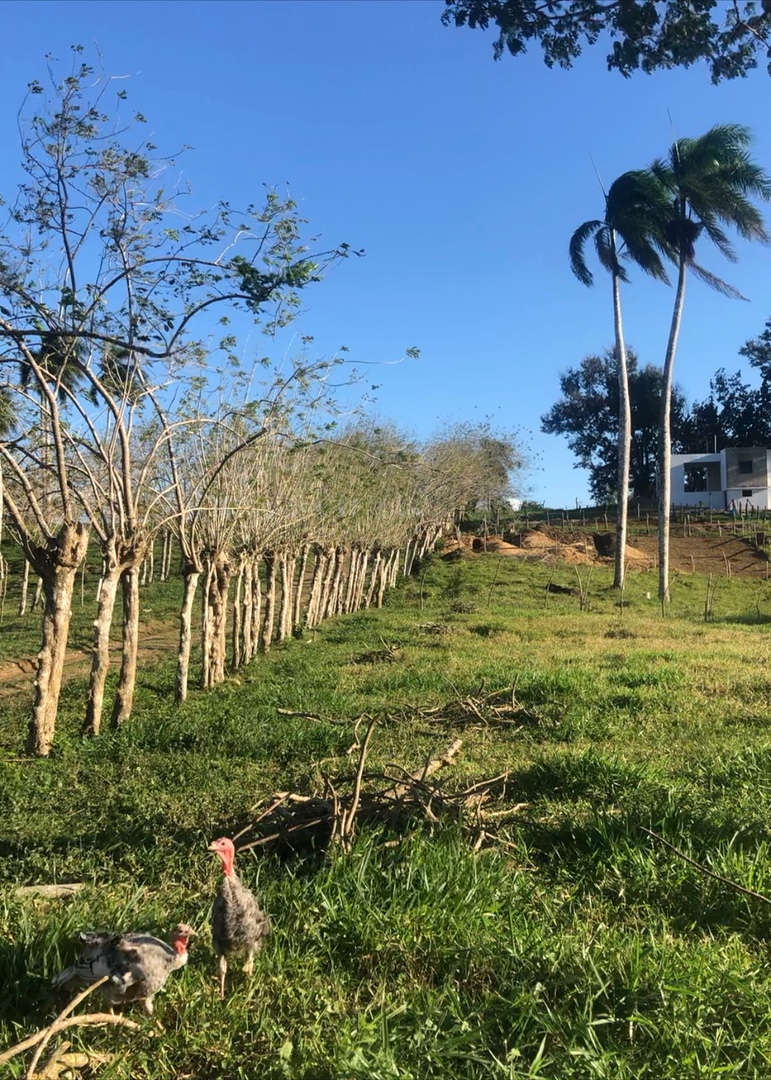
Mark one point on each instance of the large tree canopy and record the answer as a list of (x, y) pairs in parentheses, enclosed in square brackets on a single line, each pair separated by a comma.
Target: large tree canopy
[(643, 35), (734, 414), (587, 413)]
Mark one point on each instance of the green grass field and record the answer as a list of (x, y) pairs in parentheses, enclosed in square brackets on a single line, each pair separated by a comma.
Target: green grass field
[(575, 947)]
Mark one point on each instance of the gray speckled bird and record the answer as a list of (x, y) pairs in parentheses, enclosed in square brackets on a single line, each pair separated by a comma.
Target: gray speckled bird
[(136, 964), (239, 926)]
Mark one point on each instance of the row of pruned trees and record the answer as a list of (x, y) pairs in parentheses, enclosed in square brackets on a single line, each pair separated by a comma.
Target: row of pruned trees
[(128, 410)]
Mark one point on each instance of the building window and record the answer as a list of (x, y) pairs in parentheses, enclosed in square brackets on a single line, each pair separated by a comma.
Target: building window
[(745, 467), (746, 493), (695, 478)]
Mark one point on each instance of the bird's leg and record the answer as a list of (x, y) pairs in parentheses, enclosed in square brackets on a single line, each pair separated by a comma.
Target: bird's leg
[(223, 970), (249, 962), (147, 1006)]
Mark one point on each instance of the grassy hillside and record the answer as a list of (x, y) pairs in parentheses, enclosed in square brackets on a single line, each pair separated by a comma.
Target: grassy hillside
[(568, 945)]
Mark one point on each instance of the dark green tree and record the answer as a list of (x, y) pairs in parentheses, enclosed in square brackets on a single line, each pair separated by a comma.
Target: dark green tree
[(758, 352), (645, 35), (734, 414), (587, 413)]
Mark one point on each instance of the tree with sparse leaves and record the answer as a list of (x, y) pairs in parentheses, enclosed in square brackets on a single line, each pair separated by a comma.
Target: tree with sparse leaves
[(109, 288)]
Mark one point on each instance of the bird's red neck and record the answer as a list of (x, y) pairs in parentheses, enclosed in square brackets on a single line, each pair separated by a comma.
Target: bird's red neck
[(228, 858), (179, 945)]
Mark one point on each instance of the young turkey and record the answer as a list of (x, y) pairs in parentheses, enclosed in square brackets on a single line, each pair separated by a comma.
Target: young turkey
[(239, 926), (137, 965)]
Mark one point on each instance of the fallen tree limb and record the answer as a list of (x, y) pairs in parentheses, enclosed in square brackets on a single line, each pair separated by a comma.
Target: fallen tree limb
[(705, 869)]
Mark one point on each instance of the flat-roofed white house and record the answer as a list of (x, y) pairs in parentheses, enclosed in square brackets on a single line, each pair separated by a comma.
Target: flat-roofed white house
[(737, 477)]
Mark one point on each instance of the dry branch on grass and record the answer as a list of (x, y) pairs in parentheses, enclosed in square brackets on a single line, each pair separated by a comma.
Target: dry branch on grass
[(62, 1022), (393, 796), (497, 709)]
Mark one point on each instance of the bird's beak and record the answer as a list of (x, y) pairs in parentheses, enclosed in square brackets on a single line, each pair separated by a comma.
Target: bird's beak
[(192, 933), (212, 846)]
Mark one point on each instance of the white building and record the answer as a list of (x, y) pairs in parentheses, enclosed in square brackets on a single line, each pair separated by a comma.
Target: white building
[(737, 477)]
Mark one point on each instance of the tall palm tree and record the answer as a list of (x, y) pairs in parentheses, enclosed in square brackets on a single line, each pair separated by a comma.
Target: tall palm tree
[(636, 210), (711, 182)]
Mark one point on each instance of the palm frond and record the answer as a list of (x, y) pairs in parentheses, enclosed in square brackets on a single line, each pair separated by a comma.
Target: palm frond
[(604, 246), (716, 283), (576, 250)]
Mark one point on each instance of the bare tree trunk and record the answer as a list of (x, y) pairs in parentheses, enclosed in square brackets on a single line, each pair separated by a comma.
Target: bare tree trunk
[(238, 625), (215, 614), (247, 602), (374, 578), (206, 623), (256, 606), (393, 569), (359, 593), (124, 695), (350, 580), (298, 596), (314, 599), (285, 612), (150, 564), (38, 597), (219, 600), (191, 572), (385, 567), (164, 552), (326, 585), (57, 567), (271, 566), (100, 657), (331, 608), (24, 588)]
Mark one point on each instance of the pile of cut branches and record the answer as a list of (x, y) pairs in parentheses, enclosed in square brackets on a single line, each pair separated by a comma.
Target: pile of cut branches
[(394, 797), (62, 1061), (497, 709)]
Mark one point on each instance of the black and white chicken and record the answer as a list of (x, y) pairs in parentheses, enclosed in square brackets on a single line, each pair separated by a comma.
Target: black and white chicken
[(239, 926), (136, 964)]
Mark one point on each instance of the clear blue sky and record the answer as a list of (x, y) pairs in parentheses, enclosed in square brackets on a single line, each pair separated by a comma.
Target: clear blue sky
[(462, 178)]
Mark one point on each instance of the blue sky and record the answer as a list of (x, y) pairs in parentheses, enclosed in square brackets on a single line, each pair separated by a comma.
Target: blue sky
[(461, 178)]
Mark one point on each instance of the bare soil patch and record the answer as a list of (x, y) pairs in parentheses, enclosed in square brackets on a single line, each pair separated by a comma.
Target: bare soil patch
[(710, 552)]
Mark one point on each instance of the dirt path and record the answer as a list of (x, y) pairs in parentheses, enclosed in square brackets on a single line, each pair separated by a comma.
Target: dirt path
[(155, 639)]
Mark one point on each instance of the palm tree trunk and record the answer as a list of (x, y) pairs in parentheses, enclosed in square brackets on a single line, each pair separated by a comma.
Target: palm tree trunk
[(624, 438), (665, 433)]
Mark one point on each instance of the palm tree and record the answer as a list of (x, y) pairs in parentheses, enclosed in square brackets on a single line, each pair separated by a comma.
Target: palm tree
[(636, 209), (711, 182)]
